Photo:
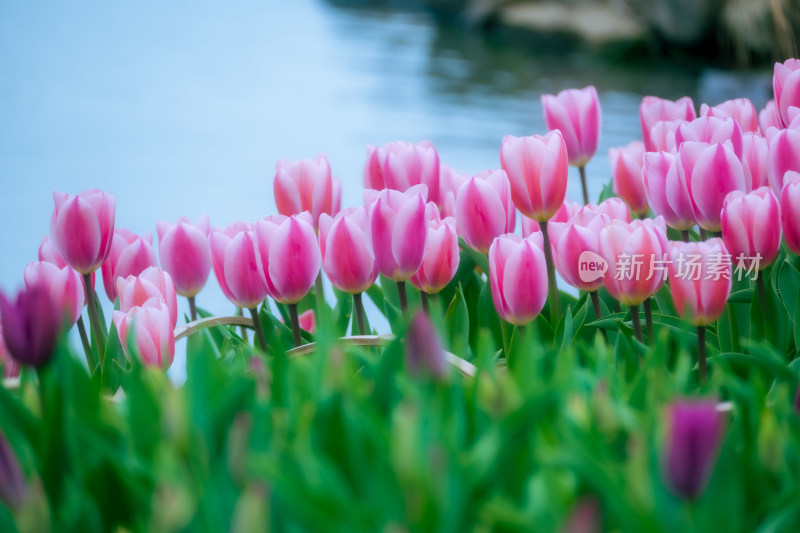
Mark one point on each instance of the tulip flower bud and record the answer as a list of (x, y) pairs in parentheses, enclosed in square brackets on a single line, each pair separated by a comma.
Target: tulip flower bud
[(694, 436), (424, 353), (711, 130), (440, 259), (626, 170), (784, 155), (662, 136), (584, 517), (82, 228), (185, 255), (613, 208), (48, 252), (537, 169), (400, 165), (700, 279), (9, 367), (153, 335), (653, 110), (790, 211), (65, 286), (666, 190), (576, 114), (308, 320), (306, 185), (237, 265), (755, 159), (786, 86), (518, 277), (12, 481), (741, 110), (484, 209), (751, 227), (134, 291), (564, 213), (31, 325), (768, 117), (354, 271), (130, 254), (574, 243), (449, 182)]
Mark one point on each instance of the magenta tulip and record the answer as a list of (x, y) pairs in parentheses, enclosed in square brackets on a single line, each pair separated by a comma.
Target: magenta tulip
[(653, 109), (662, 135), (711, 130), (134, 291), (354, 271), (710, 172), (768, 118), (786, 86), (82, 228), (48, 252), (790, 211), (666, 190), (398, 230), (695, 431), (741, 110), (153, 336), (440, 259), (784, 155), (237, 265), (574, 239), (700, 279), (484, 209), (31, 325), (576, 114), (183, 248), (518, 277), (9, 367), (289, 255), (537, 169), (635, 253), (306, 185), (755, 159), (130, 255), (751, 227), (65, 286), (400, 165), (626, 171)]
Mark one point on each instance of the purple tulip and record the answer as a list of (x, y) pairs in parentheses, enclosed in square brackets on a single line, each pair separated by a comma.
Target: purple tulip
[(12, 482), (424, 352), (31, 325)]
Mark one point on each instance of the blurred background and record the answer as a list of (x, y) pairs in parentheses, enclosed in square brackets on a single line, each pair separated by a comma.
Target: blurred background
[(183, 107)]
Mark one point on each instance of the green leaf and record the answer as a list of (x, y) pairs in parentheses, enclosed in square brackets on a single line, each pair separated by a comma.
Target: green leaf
[(743, 296), (456, 323), (344, 311), (797, 323), (478, 258)]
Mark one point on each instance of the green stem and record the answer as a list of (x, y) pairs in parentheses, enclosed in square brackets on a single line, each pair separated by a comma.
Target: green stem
[(360, 317), (319, 290), (734, 325), (94, 319), (242, 328), (298, 340), (582, 171), (423, 297), (703, 234), (552, 288), (87, 346), (701, 353), (192, 308), (401, 293), (637, 325), (598, 311), (648, 319), (261, 339), (761, 289), (685, 235)]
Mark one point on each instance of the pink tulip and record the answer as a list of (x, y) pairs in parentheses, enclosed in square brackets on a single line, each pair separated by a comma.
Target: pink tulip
[(790, 211), (134, 291), (9, 367), (308, 321), (65, 286), (48, 252), (289, 255), (751, 227), (576, 114), (768, 118), (440, 259), (398, 230), (613, 208), (634, 252), (784, 155), (82, 228), (711, 130), (666, 190), (710, 173), (237, 265), (653, 109), (306, 185), (484, 209), (755, 159), (626, 170), (786, 86), (153, 339), (183, 248), (662, 135), (130, 255), (563, 214), (741, 110), (699, 292), (518, 277), (572, 239), (537, 170), (355, 271), (449, 183), (400, 165)]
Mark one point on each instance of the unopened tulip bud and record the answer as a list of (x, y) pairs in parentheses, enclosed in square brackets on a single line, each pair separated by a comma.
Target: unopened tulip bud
[(576, 114), (12, 482), (751, 226), (424, 353), (82, 228), (653, 110), (31, 325), (130, 255)]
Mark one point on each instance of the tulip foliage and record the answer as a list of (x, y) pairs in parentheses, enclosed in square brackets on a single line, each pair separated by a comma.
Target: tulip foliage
[(395, 365)]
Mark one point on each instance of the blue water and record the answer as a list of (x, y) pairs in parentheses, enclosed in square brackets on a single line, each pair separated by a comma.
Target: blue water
[(183, 107)]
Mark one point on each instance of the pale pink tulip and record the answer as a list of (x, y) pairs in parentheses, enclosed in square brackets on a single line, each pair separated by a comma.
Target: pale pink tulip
[(518, 277), (614, 208), (308, 321), (134, 291), (790, 211), (572, 239), (784, 155), (711, 130), (237, 265), (699, 293), (183, 248), (400, 165), (786, 86), (751, 227), (440, 260), (354, 271), (666, 190), (710, 172), (64, 284), (537, 169), (654, 109), (48, 252), (563, 214), (576, 114), (306, 185), (768, 118), (484, 209), (755, 159), (626, 171), (741, 110), (449, 182), (662, 135), (130, 255), (82, 228), (153, 337)]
